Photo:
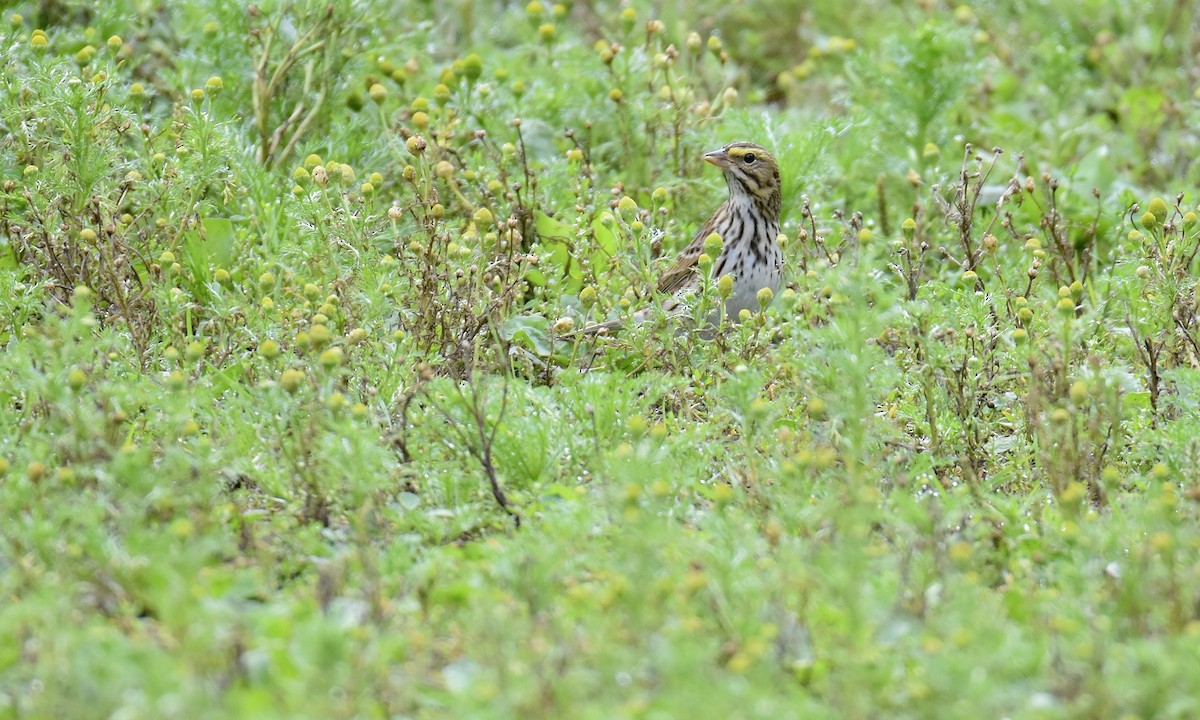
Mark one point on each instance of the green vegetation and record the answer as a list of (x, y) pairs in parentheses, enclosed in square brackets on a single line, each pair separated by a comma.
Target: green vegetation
[(293, 422)]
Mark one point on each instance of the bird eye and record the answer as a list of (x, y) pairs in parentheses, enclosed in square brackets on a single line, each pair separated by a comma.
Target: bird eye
[(749, 158)]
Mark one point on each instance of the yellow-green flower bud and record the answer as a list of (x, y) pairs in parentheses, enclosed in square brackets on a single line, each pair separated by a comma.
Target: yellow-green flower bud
[(214, 85), (268, 349), (1149, 220), (483, 218), (472, 67), (704, 261), (35, 471), (1158, 207), (76, 379), (319, 335), (266, 281), (725, 286), (587, 296), (1020, 336), (85, 55), (194, 351), (313, 160), (563, 325), (628, 18), (416, 145), (765, 296), (1066, 306), (290, 379), (176, 380), (909, 228), (331, 358), (546, 32), (816, 408), (377, 92), (1079, 392), (713, 244)]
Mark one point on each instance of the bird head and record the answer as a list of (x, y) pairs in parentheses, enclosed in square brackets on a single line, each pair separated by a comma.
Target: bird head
[(751, 171)]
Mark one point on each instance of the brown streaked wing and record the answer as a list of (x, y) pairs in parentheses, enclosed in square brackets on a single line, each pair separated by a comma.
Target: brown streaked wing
[(677, 277)]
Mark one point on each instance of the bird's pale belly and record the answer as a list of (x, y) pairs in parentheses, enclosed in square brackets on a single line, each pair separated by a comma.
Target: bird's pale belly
[(750, 275)]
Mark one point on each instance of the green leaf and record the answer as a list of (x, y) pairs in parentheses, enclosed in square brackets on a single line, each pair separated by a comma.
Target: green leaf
[(212, 245), (529, 331), (547, 227), (606, 240), (1143, 108), (1135, 401), (556, 238)]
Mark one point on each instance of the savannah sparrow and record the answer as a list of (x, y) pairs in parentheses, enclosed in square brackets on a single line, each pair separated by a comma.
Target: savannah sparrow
[(748, 224)]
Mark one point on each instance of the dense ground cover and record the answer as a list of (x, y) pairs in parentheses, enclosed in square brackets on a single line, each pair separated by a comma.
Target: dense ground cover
[(294, 423)]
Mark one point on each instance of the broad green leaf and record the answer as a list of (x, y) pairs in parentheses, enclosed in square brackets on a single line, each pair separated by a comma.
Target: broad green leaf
[(548, 227), (212, 245), (528, 331)]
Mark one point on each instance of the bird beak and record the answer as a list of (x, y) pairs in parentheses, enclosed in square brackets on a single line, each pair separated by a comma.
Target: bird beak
[(720, 158)]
